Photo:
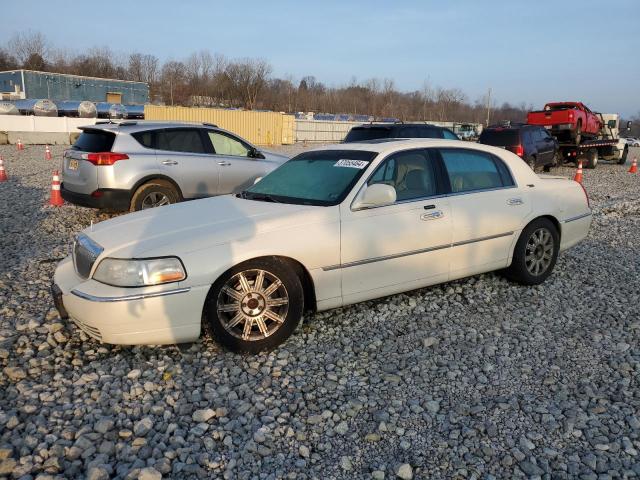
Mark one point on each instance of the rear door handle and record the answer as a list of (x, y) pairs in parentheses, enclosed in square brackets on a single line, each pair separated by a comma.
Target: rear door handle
[(169, 162), (515, 201), (224, 164), (432, 216)]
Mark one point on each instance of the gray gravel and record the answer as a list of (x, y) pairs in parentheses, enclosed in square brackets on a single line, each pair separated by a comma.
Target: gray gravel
[(478, 378)]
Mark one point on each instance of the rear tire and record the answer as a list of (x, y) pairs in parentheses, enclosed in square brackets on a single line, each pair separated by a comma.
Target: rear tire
[(535, 254), (154, 193), (255, 305), (592, 158), (577, 137)]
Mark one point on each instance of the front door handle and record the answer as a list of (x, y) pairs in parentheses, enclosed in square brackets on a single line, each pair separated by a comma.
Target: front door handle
[(432, 216), (169, 162), (515, 201), (223, 163)]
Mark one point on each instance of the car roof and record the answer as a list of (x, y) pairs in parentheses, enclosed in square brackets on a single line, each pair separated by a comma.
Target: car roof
[(396, 144), (132, 126), (396, 125)]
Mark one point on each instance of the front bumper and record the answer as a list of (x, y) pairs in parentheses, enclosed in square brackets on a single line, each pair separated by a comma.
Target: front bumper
[(111, 199), (129, 316)]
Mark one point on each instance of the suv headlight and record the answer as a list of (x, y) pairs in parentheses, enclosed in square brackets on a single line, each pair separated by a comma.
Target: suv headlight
[(139, 273)]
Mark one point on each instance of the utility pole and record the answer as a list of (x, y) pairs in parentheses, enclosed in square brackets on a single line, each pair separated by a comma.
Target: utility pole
[(488, 106)]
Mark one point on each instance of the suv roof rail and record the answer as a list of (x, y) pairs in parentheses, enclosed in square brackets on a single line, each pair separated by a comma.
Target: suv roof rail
[(206, 124)]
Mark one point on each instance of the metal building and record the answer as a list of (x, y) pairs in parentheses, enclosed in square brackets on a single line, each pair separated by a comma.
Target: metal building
[(29, 84)]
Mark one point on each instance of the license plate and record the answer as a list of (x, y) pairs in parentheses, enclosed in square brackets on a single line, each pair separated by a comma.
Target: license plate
[(73, 164)]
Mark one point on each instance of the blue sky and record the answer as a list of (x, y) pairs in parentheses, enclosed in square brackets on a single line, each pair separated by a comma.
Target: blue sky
[(526, 51)]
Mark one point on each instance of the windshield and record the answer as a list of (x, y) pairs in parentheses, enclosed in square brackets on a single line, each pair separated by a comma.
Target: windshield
[(361, 134), (313, 178)]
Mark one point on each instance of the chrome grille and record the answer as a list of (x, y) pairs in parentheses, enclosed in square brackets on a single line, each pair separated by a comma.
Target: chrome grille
[(85, 253)]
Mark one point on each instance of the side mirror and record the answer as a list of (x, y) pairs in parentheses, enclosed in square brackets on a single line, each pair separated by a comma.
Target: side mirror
[(375, 195), (255, 153)]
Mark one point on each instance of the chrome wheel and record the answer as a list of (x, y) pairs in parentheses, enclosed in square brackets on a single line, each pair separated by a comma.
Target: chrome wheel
[(155, 199), (252, 305), (539, 252)]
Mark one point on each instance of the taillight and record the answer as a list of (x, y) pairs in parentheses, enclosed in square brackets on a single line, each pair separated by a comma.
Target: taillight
[(105, 158), (585, 195), (518, 150)]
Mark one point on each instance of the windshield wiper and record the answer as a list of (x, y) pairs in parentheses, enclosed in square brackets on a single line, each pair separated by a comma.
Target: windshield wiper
[(259, 197)]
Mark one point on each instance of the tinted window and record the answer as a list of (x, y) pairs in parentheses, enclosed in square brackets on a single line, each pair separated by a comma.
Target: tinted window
[(499, 137), (411, 173), (449, 135), (144, 138), (360, 134), (94, 141), (470, 170), (419, 132), (180, 140), (227, 145)]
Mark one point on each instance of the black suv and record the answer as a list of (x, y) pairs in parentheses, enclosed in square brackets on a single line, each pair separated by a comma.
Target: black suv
[(532, 143), (375, 131)]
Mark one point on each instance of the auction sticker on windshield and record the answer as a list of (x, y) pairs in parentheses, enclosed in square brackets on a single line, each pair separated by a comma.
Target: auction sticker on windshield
[(359, 164)]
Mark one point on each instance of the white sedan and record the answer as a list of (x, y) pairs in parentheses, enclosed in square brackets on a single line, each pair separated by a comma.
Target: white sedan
[(331, 227)]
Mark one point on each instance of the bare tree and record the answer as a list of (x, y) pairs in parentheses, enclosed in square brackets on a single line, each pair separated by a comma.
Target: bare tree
[(29, 47)]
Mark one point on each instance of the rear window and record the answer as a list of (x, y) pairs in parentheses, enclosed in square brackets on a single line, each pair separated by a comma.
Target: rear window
[(500, 137), (94, 141), (144, 138), (419, 132), (361, 134)]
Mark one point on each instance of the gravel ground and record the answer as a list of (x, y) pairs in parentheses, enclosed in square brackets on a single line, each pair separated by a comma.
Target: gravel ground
[(477, 378)]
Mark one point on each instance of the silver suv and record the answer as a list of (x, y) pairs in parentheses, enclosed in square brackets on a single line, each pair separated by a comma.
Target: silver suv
[(137, 165)]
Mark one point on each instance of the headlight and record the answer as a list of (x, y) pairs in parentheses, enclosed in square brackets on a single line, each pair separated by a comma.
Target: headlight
[(139, 273)]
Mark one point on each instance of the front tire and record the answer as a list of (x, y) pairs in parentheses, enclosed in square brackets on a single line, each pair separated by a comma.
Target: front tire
[(623, 157), (255, 306), (535, 254)]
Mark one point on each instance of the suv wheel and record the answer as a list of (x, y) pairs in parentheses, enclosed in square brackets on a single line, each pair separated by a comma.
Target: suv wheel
[(155, 193)]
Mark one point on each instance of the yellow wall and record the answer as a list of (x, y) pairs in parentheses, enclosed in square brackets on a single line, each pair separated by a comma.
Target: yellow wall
[(261, 128)]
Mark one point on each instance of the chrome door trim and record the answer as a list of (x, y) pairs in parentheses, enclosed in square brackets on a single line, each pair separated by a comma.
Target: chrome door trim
[(413, 252), (578, 217), (482, 239), (124, 298), (385, 257)]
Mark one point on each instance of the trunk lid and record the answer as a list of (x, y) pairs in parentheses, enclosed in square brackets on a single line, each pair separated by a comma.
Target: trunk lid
[(78, 174)]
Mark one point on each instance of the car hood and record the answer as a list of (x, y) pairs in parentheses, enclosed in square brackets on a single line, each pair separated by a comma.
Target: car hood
[(274, 157), (189, 226)]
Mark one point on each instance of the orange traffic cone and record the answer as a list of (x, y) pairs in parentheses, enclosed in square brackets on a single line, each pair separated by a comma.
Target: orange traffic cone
[(19, 145), (634, 166), (56, 198), (47, 153), (578, 177), (3, 174)]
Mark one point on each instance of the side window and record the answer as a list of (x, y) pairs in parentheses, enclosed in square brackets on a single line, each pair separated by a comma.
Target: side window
[(469, 170), (449, 135), (144, 138), (411, 173), (224, 144), (180, 140)]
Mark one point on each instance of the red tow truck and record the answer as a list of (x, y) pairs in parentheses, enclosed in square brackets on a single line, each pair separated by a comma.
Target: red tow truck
[(581, 133)]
